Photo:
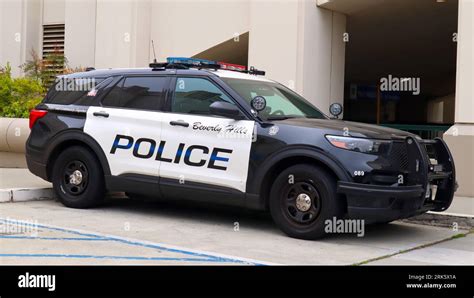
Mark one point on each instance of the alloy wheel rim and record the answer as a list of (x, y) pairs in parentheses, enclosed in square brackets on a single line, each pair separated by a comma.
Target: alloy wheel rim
[(75, 177), (301, 202)]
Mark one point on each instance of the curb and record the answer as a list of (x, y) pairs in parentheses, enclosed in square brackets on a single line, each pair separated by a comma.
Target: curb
[(25, 194), (447, 220)]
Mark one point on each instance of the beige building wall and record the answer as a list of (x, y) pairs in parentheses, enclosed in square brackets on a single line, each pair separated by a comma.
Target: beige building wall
[(322, 57), (301, 46), (296, 42), (113, 34), (122, 33), (11, 35), (274, 40), (80, 39), (19, 31), (53, 11), (185, 28), (460, 137)]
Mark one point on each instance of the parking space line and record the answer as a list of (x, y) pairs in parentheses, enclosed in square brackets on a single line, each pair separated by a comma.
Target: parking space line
[(52, 238), (74, 256), (191, 254)]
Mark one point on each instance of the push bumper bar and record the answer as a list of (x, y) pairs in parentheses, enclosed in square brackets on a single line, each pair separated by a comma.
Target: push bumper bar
[(381, 203)]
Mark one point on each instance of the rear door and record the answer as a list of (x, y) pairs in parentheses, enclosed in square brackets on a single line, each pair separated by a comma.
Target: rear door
[(200, 147), (128, 124)]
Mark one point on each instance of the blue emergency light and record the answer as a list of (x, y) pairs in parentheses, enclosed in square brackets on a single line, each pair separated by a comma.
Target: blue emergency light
[(186, 62), (190, 61)]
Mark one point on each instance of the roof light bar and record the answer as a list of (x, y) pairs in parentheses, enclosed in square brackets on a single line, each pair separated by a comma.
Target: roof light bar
[(193, 62), (184, 63), (190, 61), (231, 66)]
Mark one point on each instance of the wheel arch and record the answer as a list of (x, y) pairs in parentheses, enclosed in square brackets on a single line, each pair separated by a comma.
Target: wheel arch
[(74, 137), (297, 155)]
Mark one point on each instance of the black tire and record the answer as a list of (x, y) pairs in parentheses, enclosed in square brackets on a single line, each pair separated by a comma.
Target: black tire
[(308, 181), (88, 189)]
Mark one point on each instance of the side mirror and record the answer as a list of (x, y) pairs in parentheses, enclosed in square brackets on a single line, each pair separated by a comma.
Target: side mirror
[(225, 109), (335, 110)]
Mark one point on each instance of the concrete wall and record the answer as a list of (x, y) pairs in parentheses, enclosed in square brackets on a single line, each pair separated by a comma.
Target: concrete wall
[(11, 35), (322, 57), (53, 11), (185, 28), (13, 135), (300, 45), (274, 40), (80, 40), (460, 137), (296, 42), (19, 31)]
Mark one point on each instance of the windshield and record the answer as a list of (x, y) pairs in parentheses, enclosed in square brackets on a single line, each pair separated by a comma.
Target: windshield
[(282, 103)]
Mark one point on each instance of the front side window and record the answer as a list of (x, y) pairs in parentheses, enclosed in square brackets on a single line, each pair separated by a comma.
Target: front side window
[(282, 103), (143, 93), (195, 95)]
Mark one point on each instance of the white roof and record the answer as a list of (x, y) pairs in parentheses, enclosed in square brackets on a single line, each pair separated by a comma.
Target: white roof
[(240, 75)]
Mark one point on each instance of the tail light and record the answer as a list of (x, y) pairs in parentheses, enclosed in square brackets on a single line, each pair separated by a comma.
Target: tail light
[(35, 115)]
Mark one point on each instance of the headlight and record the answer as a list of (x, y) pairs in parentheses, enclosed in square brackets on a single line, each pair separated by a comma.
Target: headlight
[(360, 145)]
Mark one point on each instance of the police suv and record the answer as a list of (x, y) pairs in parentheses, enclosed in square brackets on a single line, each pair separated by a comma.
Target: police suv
[(200, 130)]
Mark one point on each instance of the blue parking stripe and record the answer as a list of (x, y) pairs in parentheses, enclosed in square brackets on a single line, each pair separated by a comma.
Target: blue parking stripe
[(111, 257), (203, 256), (53, 238)]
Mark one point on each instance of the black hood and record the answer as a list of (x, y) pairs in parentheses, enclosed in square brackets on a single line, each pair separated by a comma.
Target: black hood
[(354, 129)]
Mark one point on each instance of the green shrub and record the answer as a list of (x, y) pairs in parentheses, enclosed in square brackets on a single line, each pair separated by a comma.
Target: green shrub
[(18, 95)]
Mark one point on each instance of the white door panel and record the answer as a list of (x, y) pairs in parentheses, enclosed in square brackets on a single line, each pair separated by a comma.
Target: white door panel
[(211, 150)]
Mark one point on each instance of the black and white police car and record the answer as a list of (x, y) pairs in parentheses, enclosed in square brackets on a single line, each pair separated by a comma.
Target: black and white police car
[(189, 129)]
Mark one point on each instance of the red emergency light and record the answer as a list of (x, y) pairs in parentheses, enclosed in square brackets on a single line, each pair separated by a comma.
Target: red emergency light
[(231, 66)]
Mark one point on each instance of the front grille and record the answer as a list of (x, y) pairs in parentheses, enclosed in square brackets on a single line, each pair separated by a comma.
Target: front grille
[(398, 156)]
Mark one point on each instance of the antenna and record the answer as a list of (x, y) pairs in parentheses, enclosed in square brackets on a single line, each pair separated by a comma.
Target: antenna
[(154, 54)]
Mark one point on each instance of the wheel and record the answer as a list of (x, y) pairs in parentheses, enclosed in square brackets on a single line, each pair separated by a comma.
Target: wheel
[(78, 179), (302, 198)]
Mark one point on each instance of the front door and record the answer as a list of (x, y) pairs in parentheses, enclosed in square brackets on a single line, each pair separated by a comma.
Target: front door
[(199, 147)]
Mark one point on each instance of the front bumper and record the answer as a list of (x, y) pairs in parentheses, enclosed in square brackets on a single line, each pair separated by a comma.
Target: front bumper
[(382, 203)]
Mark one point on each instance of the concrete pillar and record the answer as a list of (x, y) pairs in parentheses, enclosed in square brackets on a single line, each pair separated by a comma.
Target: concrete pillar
[(20, 28), (122, 36), (301, 46), (274, 39), (79, 39), (322, 55), (460, 137)]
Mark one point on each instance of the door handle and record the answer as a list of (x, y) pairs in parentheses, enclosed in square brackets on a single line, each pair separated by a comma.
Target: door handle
[(179, 123), (101, 114)]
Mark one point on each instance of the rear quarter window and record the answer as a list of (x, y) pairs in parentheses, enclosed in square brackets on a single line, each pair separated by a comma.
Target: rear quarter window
[(67, 91)]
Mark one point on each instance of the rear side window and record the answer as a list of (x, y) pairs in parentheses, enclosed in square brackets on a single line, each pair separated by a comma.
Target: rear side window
[(74, 91), (143, 93)]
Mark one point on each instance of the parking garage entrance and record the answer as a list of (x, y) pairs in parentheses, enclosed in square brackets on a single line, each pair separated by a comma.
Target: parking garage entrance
[(401, 65)]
